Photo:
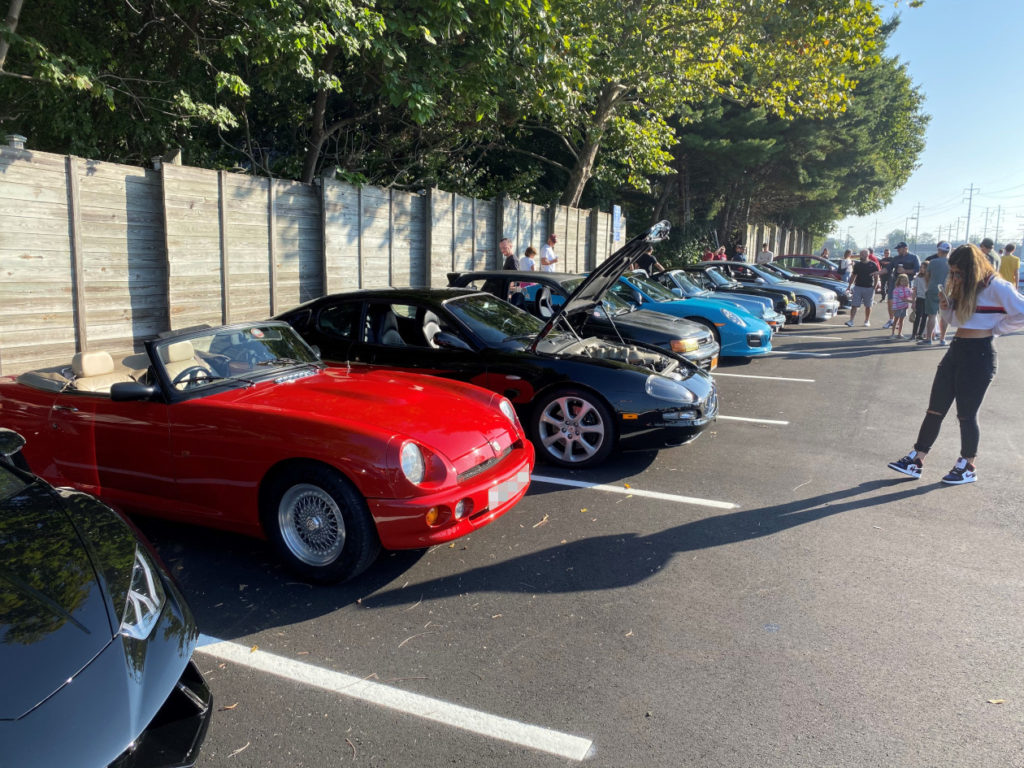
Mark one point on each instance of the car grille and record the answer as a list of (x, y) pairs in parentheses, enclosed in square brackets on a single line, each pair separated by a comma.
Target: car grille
[(485, 465)]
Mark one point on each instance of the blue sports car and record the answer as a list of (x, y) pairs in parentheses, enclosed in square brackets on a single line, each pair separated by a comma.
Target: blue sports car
[(739, 333)]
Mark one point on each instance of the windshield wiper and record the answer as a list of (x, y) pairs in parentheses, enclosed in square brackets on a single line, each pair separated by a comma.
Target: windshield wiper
[(285, 361)]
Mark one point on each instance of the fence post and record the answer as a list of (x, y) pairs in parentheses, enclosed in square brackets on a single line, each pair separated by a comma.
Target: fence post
[(225, 282), (78, 286), (272, 245)]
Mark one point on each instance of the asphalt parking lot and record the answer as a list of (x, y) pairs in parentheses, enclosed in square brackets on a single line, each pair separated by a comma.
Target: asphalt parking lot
[(770, 595)]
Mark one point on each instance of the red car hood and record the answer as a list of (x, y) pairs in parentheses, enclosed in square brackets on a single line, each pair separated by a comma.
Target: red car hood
[(460, 421)]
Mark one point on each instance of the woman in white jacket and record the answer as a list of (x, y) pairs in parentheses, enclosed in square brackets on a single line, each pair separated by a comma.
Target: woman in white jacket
[(980, 305)]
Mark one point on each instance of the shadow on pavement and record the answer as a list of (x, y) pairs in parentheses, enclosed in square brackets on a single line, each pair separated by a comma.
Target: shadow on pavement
[(236, 586), (611, 562)]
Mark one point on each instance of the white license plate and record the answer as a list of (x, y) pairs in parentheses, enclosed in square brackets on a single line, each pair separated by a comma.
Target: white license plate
[(503, 491)]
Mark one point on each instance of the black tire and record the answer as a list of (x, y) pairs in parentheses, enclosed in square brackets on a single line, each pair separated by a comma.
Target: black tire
[(572, 428), (808, 305), (319, 523)]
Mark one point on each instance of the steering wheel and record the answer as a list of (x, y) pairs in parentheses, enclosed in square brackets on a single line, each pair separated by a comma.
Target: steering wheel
[(190, 377)]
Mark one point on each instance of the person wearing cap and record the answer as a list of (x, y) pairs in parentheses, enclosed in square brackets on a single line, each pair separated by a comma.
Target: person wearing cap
[(1009, 265), (903, 263), (741, 253), (938, 270), (987, 247)]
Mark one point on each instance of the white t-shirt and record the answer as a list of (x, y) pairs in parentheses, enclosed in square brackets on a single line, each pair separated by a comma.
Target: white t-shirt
[(547, 258), (765, 257), (526, 264)]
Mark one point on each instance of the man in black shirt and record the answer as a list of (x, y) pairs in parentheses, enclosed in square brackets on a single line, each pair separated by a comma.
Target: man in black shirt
[(648, 263), (863, 281)]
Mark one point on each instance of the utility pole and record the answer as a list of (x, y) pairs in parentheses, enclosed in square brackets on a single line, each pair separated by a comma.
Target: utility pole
[(875, 242), (957, 235), (917, 224), (938, 237), (970, 199), (984, 231), (999, 211)]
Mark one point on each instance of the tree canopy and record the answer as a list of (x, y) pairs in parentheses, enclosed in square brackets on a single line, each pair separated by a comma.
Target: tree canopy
[(721, 108)]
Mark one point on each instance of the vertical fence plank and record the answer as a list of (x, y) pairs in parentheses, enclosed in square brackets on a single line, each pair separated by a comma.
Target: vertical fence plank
[(78, 282)]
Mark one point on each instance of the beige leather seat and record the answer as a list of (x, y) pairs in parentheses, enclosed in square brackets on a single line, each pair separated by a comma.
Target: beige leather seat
[(94, 372), (181, 355)]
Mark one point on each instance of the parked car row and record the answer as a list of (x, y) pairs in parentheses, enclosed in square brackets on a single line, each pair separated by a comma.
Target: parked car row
[(384, 419)]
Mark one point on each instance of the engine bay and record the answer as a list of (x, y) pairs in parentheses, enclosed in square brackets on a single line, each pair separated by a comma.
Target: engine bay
[(628, 353)]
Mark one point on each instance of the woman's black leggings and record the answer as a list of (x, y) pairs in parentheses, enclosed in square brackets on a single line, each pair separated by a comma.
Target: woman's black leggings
[(963, 375), (920, 318)]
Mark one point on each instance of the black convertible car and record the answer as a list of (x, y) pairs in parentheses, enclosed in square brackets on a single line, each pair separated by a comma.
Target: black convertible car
[(542, 293), (579, 397), (95, 639)]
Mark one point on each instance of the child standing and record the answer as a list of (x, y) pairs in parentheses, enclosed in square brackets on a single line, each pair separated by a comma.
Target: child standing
[(901, 298), (920, 288)]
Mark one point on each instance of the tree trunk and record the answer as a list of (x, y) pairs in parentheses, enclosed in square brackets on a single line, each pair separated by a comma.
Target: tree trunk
[(317, 121), (607, 104), (11, 22)]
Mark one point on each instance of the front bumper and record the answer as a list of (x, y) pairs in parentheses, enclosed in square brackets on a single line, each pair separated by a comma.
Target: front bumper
[(705, 357), (668, 426), (401, 523), (828, 309)]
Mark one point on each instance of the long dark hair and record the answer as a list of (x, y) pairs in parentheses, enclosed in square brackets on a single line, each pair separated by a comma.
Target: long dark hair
[(975, 273)]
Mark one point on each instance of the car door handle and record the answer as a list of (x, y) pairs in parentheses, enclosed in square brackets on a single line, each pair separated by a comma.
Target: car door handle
[(71, 408)]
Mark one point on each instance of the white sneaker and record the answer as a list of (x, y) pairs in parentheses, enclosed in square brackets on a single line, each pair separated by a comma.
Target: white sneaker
[(942, 342), (867, 324), (888, 324), (849, 323)]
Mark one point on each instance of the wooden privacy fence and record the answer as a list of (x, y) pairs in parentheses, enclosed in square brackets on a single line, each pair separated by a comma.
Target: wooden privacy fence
[(98, 255)]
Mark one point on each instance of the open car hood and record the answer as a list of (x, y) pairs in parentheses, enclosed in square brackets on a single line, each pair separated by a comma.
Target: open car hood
[(603, 277)]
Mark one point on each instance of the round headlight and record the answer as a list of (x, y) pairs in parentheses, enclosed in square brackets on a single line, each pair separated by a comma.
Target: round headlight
[(413, 466), (508, 410), (732, 317)]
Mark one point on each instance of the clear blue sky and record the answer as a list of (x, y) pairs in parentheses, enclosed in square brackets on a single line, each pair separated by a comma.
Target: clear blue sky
[(962, 57)]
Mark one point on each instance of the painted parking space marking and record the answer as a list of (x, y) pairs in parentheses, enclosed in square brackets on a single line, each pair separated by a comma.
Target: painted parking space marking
[(767, 378), (790, 334), (805, 354), (482, 723), (635, 492), (753, 421)]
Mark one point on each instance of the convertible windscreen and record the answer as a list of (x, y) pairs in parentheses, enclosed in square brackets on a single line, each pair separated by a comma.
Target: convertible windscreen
[(235, 353)]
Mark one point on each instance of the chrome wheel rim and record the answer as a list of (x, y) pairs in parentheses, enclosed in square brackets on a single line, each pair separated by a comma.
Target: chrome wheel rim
[(311, 524), (571, 429)]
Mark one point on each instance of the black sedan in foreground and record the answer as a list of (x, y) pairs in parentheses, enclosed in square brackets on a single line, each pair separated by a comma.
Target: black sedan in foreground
[(542, 293), (95, 639), (578, 397)]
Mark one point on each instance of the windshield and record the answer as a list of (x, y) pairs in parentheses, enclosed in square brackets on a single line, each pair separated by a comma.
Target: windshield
[(235, 353), (656, 291), (688, 285), (717, 278), (496, 322)]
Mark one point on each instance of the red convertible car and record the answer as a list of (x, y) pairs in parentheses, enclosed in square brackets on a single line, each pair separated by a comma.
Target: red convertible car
[(243, 428)]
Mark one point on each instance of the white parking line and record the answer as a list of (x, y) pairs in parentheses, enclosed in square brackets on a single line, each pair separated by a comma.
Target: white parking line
[(751, 376), (753, 421), (805, 354), (634, 491), (789, 334), (492, 726)]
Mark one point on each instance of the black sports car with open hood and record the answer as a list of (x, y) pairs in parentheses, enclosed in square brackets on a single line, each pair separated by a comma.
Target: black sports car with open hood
[(578, 397), (95, 639)]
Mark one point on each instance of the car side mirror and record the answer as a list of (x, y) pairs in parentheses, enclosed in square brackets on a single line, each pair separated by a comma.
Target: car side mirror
[(316, 351), (10, 442), (677, 292), (446, 340), (759, 280), (638, 298), (126, 391)]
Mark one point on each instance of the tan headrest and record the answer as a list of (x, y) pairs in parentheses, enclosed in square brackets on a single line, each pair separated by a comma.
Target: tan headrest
[(92, 364), (180, 351)]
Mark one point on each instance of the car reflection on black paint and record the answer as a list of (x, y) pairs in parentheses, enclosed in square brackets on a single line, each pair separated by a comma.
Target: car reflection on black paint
[(95, 639)]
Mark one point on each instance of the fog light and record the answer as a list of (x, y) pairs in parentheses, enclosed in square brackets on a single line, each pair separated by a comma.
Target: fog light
[(432, 516), (463, 508)]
